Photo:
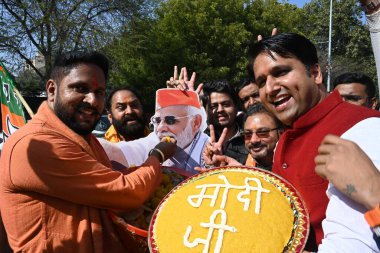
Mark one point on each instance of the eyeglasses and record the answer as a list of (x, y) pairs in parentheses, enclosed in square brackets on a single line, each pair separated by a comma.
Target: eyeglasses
[(353, 98), (169, 120), (261, 133)]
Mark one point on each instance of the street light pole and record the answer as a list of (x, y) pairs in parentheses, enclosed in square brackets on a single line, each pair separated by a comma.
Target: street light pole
[(329, 53)]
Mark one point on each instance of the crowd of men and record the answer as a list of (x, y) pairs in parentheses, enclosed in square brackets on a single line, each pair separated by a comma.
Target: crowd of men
[(57, 181)]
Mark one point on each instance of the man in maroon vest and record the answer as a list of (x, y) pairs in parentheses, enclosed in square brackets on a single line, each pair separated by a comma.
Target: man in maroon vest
[(287, 72)]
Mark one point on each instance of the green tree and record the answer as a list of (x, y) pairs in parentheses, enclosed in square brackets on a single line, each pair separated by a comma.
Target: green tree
[(51, 27), (351, 45), (210, 37)]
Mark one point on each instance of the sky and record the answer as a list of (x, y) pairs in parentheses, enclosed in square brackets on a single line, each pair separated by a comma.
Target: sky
[(299, 3)]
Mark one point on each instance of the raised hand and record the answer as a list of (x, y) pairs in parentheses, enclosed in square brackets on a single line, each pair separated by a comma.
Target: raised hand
[(182, 81), (214, 148), (274, 32)]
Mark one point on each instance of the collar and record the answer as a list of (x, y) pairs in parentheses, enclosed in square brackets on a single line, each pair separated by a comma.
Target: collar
[(112, 135), (318, 112), (48, 118)]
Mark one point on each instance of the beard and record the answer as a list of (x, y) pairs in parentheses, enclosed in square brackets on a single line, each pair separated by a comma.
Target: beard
[(129, 131), (79, 127), (263, 154), (183, 139)]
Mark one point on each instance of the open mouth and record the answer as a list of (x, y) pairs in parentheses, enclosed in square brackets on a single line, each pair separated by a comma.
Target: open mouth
[(258, 149), (281, 102)]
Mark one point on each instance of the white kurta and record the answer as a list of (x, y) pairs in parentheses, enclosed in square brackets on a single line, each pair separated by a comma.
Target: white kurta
[(136, 152)]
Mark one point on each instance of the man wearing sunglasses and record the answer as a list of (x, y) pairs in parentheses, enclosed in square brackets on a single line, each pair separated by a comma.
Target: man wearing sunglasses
[(180, 117), (261, 133), (357, 89)]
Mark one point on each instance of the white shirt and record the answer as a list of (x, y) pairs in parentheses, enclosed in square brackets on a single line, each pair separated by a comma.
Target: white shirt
[(345, 228), (136, 152)]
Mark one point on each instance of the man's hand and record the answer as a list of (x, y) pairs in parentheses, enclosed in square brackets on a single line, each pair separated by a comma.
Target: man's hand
[(274, 32), (182, 81), (214, 149), (220, 160), (351, 171), (168, 148)]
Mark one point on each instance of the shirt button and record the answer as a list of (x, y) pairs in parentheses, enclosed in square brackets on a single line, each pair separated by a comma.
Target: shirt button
[(284, 166)]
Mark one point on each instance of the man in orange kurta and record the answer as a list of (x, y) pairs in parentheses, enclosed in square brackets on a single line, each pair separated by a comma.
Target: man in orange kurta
[(56, 182)]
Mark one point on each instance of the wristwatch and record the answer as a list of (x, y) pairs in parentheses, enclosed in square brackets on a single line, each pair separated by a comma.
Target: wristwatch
[(373, 5), (373, 219)]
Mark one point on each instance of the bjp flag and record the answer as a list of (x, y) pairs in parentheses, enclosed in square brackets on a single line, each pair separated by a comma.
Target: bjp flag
[(12, 114)]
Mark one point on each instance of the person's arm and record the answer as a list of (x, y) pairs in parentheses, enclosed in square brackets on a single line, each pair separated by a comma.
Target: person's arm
[(370, 6), (373, 20), (114, 152), (349, 169), (58, 167)]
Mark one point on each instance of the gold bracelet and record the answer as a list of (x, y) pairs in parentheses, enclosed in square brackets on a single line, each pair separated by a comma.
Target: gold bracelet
[(160, 152)]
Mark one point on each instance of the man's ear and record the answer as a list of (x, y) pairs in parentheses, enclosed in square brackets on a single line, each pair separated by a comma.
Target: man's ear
[(51, 90), (196, 123), (316, 74), (109, 116), (374, 103)]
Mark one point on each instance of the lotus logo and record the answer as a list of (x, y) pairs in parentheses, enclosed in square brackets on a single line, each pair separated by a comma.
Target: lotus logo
[(10, 129)]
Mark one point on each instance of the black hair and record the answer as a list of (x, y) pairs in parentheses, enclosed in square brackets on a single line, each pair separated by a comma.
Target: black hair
[(244, 82), (65, 62), (287, 45), (260, 108), (110, 95), (222, 86), (355, 77)]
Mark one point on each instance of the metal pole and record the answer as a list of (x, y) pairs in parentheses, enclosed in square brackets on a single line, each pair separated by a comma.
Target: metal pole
[(329, 54)]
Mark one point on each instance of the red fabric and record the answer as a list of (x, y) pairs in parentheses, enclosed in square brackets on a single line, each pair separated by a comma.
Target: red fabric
[(298, 146), (169, 97)]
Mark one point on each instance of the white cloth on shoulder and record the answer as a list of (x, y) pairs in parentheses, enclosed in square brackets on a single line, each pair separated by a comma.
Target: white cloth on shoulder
[(136, 152)]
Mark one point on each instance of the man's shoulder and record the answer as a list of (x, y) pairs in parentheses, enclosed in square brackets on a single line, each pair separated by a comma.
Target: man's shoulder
[(33, 131)]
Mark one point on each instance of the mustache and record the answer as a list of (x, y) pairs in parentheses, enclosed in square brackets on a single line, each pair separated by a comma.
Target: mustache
[(164, 134), (87, 106), (132, 117), (255, 145)]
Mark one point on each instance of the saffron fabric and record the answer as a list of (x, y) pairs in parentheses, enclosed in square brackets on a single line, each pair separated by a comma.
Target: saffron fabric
[(170, 97), (113, 136), (56, 189)]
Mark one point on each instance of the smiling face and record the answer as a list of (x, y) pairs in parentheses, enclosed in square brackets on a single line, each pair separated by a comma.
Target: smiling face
[(261, 148), (287, 88), (78, 99), (184, 127), (126, 114), (222, 110)]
